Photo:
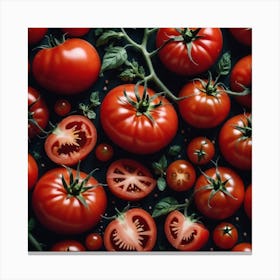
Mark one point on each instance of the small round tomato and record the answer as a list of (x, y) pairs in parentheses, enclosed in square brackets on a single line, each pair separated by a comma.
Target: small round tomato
[(218, 193), (242, 35), (137, 120), (71, 141), (93, 241), (184, 232), (62, 107), (225, 235), (68, 201), (200, 150), (129, 180), (35, 35), (248, 201), (104, 152), (189, 51), (242, 247), (235, 141), (32, 171), (180, 175), (68, 68), (38, 113), (205, 105), (75, 32), (241, 80), (68, 246), (133, 230)]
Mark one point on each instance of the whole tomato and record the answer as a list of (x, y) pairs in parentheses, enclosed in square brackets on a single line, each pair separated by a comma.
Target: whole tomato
[(93, 241), (242, 247), (235, 141), (225, 235), (35, 35), (189, 51), (218, 193), (33, 171), (68, 246), (242, 35), (68, 68), (137, 120), (205, 104), (68, 201), (248, 201)]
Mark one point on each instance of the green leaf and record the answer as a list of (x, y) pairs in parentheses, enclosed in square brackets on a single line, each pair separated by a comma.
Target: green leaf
[(163, 162), (98, 31), (127, 75), (107, 36), (161, 183), (224, 64), (94, 99), (174, 150), (165, 206), (91, 114)]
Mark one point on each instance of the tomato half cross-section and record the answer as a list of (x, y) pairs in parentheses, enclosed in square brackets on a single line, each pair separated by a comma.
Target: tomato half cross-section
[(133, 230)]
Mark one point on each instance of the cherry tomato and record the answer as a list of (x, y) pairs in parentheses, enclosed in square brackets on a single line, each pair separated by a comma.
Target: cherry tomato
[(242, 247), (33, 171), (35, 35), (242, 35), (71, 141), (200, 150), (180, 175), (248, 201), (104, 152), (75, 32), (68, 246), (133, 230), (184, 233), (225, 235), (93, 242), (129, 179), (62, 107)]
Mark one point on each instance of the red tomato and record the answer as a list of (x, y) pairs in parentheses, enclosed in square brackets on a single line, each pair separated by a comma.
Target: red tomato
[(69, 68), (180, 175), (104, 152), (206, 106), (242, 35), (134, 230), (241, 80), (184, 233), (68, 204), (137, 120), (248, 201), (38, 113), (35, 35), (218, 193), (32, 171), (62, 107), (93, 242), (129, 180), (242, 247), (235, 141), (225, 235), (71, 141), (68, 246), (75, 32), (192, 50), (200, 150)]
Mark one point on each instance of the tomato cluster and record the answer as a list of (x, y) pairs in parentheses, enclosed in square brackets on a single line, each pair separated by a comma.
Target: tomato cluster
[(139, 146)]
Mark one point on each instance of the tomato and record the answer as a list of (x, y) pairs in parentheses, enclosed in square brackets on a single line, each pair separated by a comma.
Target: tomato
[(38, 113), (218, 192), (68, 246), (235, 141), (75, 32), (71, 141), (133, 230), (191, 51), (62, 107), (129, 180), (35, 35), (137, 120), (200, 150), (225, 235), (180, 175), (242, 247), (104, 152), (184, 233), (93, 242), (33, 171), (206, 106), (241, 80), (242, 35), (248, 201), (68, 201), (69, 68)]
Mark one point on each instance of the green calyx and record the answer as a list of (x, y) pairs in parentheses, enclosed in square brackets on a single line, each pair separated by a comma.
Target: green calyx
[(52, 42), (246, 128)]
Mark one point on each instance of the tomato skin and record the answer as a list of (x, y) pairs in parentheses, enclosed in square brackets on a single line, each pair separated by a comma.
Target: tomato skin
[(236, 146), (35, 35), (129, 180), (248, 201), (180, 175), (242, 74), (204, 53), (37, 111), (134, 230), (184, 234), (220, 206), (63, 213), (71, 141), (69, 68), (242, 35), (93, 242), (203, 110), (135, 132), (242, 247), (104, 152), (75, 32), (225, 235), (62, 107), (33, 171), (68, 246)]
